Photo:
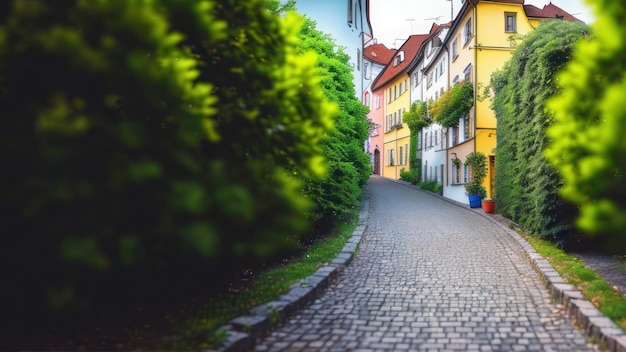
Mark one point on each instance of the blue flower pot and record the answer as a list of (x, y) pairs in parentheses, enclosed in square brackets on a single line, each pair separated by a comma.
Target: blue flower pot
[(474, 201)]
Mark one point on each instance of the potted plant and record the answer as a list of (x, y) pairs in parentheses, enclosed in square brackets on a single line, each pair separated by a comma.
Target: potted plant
[(477, 162), (488, 205)]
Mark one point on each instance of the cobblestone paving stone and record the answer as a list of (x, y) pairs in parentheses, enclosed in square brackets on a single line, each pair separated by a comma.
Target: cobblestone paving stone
[(430, 276)]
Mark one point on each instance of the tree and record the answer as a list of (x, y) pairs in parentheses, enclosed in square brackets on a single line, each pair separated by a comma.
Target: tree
[(526, 184), (588, 147), (149, 143), (416, 118)]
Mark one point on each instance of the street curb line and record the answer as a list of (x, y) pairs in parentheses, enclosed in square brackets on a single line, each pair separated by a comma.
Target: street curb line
[(584, 314), (244, 331)]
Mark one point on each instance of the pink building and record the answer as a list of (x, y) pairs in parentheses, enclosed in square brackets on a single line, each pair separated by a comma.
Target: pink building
[(375, 58)]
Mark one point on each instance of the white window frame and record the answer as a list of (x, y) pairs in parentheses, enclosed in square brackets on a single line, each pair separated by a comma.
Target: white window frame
[(467, 31)]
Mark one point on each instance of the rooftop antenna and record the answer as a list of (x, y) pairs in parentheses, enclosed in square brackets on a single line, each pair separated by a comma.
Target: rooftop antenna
[(394, 42), (433, 18), (451, 10), (411, 20)]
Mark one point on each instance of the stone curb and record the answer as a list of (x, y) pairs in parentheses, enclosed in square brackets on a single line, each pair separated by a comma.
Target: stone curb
[(244, 331), (584, 314)]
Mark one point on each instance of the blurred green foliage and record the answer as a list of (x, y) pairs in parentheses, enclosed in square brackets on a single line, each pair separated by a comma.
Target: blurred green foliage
[(588, 145), (150, 143), (526, 184)]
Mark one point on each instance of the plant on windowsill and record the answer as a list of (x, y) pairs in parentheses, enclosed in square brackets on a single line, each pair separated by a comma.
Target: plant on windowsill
[(456, 162), (477, 162)]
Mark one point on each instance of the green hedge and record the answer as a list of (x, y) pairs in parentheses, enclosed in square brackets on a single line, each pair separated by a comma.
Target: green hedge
[(147, 144), (526, 185), (349, 166)]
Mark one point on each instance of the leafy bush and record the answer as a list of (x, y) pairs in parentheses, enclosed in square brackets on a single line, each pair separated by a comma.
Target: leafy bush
[(412, 176), (526, 184), (431, 186), (147, 144), (588, 146)]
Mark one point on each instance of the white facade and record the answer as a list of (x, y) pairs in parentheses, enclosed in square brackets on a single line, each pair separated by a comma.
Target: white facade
[(348, 23), (433, 66)]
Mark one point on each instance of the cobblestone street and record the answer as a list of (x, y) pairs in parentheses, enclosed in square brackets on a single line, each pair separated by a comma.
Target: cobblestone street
[(430, 276)]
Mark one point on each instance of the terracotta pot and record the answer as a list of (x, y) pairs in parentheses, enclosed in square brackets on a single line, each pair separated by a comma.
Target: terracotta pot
[(488, 205)]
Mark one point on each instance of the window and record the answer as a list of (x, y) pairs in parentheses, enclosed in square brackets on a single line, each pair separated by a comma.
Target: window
[(367, 99), (350, 11), (466, 127), (510, 22), (399, 58), (366, 73), (415, 79), (456, 173), (455, 49), (377, 102), (400, 112), (441, 68), (400, 156), (468, 73), (456, 80), (391, 161), (430, 80), (358, 59), (436, 137), (467, 31), (419, 140), (425, 139), (455, 135), (406, 154), (465, 171)]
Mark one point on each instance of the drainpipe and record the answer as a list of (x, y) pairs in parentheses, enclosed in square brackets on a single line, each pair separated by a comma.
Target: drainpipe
[(475, 72)]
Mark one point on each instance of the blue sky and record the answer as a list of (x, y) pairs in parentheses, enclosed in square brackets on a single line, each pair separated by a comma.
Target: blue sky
[(394, 19)]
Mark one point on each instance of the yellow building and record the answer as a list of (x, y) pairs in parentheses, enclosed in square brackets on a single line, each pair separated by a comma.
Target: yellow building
[(481, 40), (394, 81)]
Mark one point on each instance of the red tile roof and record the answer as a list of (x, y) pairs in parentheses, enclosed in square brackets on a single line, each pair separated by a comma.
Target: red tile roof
[(549, 11), (391, 72), (379, 53)]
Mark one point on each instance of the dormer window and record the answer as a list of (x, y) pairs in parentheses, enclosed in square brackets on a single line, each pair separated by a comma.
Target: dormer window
[(399, 58)]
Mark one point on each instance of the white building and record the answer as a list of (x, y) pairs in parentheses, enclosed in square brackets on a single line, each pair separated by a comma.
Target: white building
[(349, 24), (429, 79)]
